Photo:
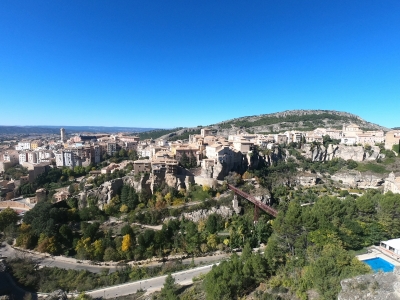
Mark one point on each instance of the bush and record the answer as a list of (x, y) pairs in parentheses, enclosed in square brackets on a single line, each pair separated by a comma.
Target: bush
[(351, 164)]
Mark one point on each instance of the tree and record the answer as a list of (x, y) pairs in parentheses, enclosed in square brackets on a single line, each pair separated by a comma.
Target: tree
[(168, 292), (212, 241), (212, 223), (124, 208), (389, 213), (328, 267), (84, 248), (110, 254), (98, 250), (288, 226), (126, 243), (7, 217)]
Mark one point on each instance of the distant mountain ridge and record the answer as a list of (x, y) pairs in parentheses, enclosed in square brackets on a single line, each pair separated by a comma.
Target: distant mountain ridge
[(303, 120), (44, 129)]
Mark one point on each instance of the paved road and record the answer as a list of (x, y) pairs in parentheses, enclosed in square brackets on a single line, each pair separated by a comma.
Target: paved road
[(42, 260), (150, 285), (67, 263)]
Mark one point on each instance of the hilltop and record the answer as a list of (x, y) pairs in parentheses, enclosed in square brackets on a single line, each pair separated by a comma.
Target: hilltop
[(302, 120)]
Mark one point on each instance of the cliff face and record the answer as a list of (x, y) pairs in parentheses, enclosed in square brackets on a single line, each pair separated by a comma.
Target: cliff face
[(356, 153)]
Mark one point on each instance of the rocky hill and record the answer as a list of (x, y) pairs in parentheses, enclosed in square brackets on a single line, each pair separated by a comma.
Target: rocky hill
[(303, 120)]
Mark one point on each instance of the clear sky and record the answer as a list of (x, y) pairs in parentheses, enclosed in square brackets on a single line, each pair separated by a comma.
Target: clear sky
[(188, 63)]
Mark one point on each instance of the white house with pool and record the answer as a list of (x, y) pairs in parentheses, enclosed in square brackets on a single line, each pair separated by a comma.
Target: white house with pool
[(392, 246)]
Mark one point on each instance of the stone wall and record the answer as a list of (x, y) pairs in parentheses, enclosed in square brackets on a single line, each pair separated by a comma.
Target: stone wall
[(14, 204)]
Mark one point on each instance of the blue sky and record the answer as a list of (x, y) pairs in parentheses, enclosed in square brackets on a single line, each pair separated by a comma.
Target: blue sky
[(187, 63)]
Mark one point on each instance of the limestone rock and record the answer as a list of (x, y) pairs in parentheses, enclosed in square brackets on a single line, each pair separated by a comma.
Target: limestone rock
[(355, 153), (202, 214), (392, 184), (307, 180), (57, 295), (372, 154), (103, 193), (378, 286), (358, 180)]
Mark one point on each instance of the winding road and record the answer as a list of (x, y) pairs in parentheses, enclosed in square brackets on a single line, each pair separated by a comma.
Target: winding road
[(150, 285)]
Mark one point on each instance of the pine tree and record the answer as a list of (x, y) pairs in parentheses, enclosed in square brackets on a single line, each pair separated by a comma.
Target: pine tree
[(168, 292)]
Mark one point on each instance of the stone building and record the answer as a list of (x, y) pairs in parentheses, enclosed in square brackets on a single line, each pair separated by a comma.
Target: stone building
[(392, 138)]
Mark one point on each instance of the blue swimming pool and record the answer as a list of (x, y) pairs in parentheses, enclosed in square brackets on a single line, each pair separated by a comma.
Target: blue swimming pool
[(379, 264)]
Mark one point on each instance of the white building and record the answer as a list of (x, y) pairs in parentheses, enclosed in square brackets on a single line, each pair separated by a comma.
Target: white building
[(67, 159), (32, 157), (349, 140), (71, 159), (60, 159), (22, 157), (44, 156), (145, 151), (392, 246), (23, 146)]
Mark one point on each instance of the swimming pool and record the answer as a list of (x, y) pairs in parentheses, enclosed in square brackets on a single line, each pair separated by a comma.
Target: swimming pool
[(379, 264)]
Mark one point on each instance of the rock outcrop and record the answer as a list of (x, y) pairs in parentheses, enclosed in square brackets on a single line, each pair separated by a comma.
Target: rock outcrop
[(138, 183), (57, 295), (392, 184), (202, 214), (356, 153), (103, 193), (307, 179), (357, 180), (378, 286)]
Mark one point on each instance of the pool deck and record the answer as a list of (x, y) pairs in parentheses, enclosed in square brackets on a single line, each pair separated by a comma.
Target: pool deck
[(376, 251)]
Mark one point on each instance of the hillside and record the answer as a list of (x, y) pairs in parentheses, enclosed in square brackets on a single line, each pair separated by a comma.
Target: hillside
[(304, 120)]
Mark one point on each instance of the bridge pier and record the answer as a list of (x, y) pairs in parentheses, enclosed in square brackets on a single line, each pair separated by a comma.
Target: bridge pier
[(256, 212)]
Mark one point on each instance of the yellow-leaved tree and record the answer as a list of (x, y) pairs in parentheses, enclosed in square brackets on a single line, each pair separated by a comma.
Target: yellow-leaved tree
[(98, 249), (212, 241), (168, 198), (126, 243)]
